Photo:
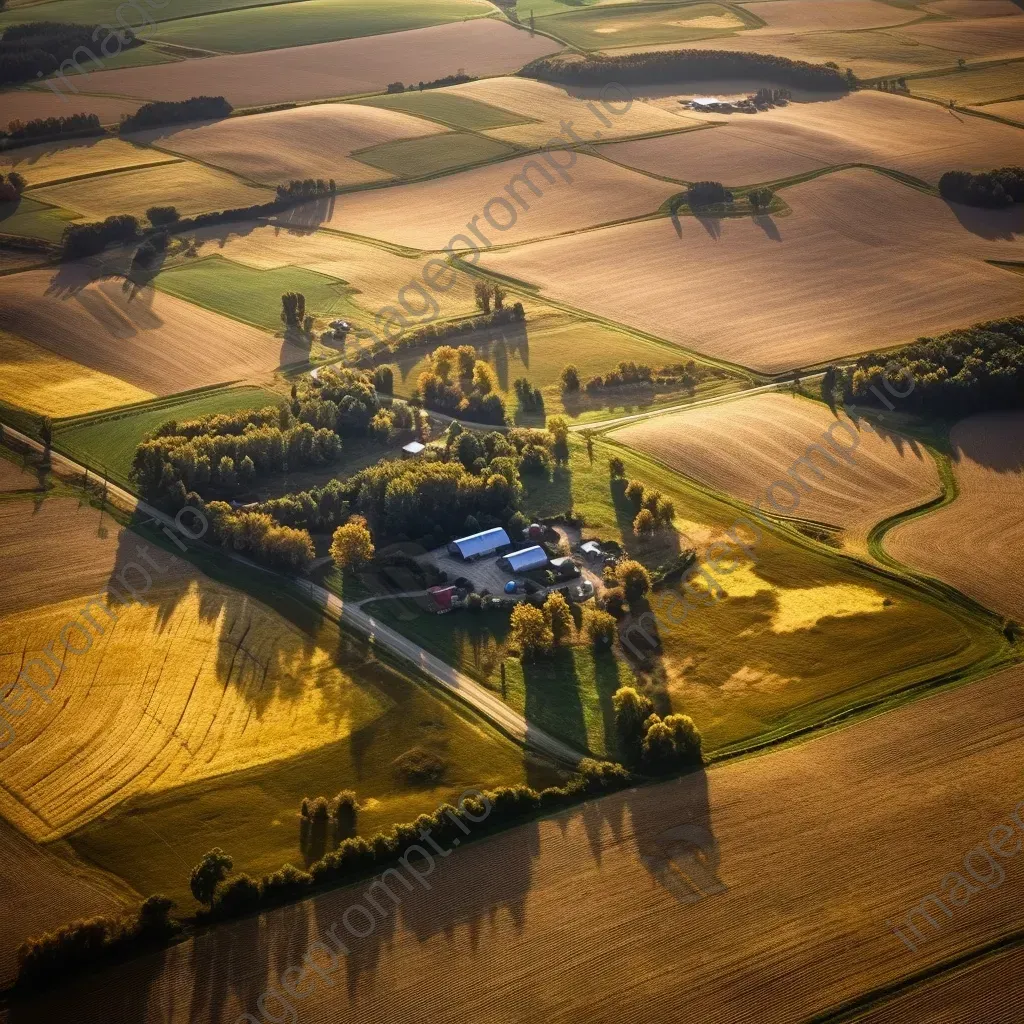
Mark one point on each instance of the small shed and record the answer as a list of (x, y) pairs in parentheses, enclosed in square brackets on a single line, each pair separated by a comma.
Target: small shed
[(591, 550), (524, 560), (442, 598), (412, 449), (565, 567)]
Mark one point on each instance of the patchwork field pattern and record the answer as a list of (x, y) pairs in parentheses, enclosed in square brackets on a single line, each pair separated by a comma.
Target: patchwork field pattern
[(836, 16), (853, 478), (862, 262), (304, 142), (976, 543), (973, 85), (427, 215), (31, 104), (435, 154), (51, 162), (149, 339)]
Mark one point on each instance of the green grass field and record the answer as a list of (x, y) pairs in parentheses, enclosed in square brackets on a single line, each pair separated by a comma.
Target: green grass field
[(311, 21), (253, 815), (254, 296), (973, 85), (552, 340), (110, 441), (448, 108), (29, 218), (103, 12), (411, 158), (602, 28)]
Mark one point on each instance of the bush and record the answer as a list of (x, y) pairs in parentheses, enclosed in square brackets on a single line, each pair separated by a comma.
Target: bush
[(159, 216), (635, 579), (419, 767), (599, 628)]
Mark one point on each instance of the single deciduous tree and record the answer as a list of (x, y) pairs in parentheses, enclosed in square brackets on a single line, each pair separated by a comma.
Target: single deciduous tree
[(352, 545), (208, 874), (530, 633)]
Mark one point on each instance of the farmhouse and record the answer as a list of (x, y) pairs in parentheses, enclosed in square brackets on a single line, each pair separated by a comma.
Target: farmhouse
[(442, 598), (477, 545), (525, 560)]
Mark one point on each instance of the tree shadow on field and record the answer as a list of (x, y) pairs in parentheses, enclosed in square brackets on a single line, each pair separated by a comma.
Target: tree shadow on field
[(769, 227), (1005, 225)]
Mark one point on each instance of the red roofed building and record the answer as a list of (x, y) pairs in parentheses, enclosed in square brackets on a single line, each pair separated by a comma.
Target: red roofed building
[(442, 598)]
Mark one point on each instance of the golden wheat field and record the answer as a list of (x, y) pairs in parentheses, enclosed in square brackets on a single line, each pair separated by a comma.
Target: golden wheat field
[(433, 214), (852, 478), (48, 384), (149, 339), (52, 162), (190, 188), (704, 892), (976, 543), (195, 680), (380, 277), (836, 16), (1013, 109), (868, 127), (551, 105), (862, 262), (971, 9), (304, 142), (482, 46), (979, 38)]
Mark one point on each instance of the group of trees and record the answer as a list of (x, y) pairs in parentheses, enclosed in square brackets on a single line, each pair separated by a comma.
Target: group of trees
[(630, 374), (458, 384), (258, 535), (653, 511), (160, 112), (360, 856), (11, 186), (659, 745), (964, 371), (307, 188), (430, 334), (760, 198), (73, 125), (688, 65), (528, 398), (486, 293), (707, 193), (990, 189), (322, 821), (541, 631), (35, 49), (436, 83), (94, 941), (82, 240)]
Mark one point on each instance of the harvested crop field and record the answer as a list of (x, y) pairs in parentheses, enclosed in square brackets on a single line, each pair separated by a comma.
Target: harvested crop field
[(1013, 110), (869, 127), (482, 46), (432, 214), (977, 542), (50, 162), (194, 681), (304, 142), (50, 385), (853, 479), (973, 85), (835, 16), (725, 154), (862, 262), (448, 107), (970, 9), (980, 38), (376, 276), (704, 889), (32, 104), (309, 22), (190, 188), (551, 106), (148, 339), (630, 25)]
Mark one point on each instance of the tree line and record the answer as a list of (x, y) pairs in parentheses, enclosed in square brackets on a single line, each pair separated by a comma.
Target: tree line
[(72, 126), (687, 65), (458, 384), (631, 374), (39, 48), (161, 112), (430, 334), (989, 189), (436, 83)]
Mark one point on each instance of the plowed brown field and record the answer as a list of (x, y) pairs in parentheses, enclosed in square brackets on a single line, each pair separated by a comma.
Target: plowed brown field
[(862, 262), (743, 447), (482, 46), (427, 215), (977, 542), (837, 16), (152, 340), (305, 142), (703, 898)]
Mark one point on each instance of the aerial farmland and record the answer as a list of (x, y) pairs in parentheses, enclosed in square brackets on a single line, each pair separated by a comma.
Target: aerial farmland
[(482, 482)]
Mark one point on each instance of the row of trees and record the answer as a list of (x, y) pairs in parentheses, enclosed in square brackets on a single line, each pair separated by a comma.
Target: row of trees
[(73, 125), (306, 188), (653, 511), (964, 371), (658, 745), (161, 112), (689, 66), (990, 189), (541, 631), (322, 820), (35, 49), (630, 374), (436, 83), (430, 334), (80, 240)]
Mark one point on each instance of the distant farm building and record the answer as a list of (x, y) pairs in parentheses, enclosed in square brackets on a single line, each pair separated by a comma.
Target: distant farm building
[(442, 598), (478, 545), (525, 560), (591, 550), (412, 449)]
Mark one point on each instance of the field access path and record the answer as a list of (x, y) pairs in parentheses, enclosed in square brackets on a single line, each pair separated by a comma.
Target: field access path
[(348, 613)]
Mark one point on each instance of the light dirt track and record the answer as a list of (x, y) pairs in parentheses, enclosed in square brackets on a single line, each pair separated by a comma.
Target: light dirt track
[(977, 542), (152, 340), (862, 262), (483, 47), (743, 447), (304, 142), (590, 915)]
